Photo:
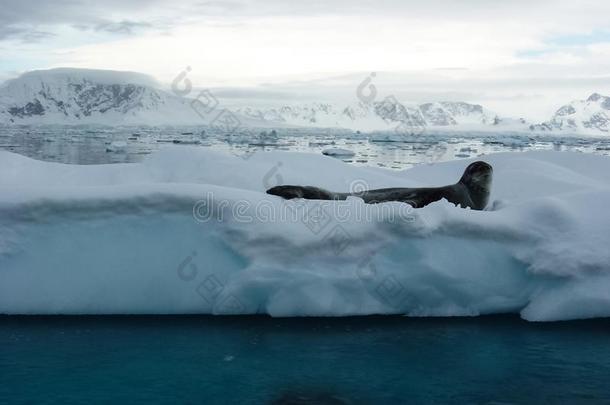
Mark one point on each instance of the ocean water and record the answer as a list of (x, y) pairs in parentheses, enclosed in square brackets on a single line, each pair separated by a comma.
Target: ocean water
[(261, 360), (94, 145)]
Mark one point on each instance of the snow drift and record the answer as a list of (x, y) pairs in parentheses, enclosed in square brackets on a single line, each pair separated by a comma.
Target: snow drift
[(192, 231)]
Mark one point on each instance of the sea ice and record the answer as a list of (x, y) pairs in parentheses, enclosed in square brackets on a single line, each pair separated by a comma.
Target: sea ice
[(191, 230)]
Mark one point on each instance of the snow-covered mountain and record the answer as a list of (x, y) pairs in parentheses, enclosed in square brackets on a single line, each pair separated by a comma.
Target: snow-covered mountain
[(83, 96), (582, 116), (454, 113), (382, 115), (325, 115)]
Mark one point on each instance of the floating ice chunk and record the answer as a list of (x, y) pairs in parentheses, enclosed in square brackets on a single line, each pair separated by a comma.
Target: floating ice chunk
[(117, 146), (338, 152)]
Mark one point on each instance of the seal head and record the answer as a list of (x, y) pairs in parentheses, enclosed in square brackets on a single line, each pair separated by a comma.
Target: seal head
[(477, 179)]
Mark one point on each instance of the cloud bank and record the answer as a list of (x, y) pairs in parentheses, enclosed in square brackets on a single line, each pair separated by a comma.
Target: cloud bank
[(521, 57)]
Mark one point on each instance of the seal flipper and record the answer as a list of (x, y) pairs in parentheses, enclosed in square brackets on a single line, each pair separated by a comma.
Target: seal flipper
[(307, 192)]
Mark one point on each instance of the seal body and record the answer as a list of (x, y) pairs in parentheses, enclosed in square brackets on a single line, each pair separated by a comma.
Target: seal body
[(472, 190)]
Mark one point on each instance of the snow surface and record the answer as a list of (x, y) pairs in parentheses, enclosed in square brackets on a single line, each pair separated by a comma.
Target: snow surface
[(190, 230)]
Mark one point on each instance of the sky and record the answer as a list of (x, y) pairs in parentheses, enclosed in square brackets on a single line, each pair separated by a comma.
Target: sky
[(519, 58)]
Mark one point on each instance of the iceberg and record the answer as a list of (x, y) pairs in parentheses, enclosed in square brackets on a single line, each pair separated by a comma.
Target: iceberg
[(190, 231)]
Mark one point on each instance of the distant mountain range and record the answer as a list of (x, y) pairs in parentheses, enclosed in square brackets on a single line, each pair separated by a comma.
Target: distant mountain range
[(387, 114), (591, 115), (82, 96)]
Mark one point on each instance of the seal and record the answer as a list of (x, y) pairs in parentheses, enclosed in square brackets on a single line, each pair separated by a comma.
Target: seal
[(472, 190)]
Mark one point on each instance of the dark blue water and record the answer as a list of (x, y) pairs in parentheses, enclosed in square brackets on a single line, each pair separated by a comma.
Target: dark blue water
[(252, 360)]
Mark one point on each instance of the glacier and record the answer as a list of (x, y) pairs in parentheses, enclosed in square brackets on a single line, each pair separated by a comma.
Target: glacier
[(191, 231)]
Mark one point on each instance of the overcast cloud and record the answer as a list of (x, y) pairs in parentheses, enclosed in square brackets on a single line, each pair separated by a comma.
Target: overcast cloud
[(522, 57)]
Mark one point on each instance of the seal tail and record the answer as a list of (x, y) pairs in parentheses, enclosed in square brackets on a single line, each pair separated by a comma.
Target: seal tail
[(309, 193)]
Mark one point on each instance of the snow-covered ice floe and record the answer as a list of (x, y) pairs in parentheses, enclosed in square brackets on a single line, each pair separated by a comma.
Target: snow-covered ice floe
[(339, 152), (190, 230)]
